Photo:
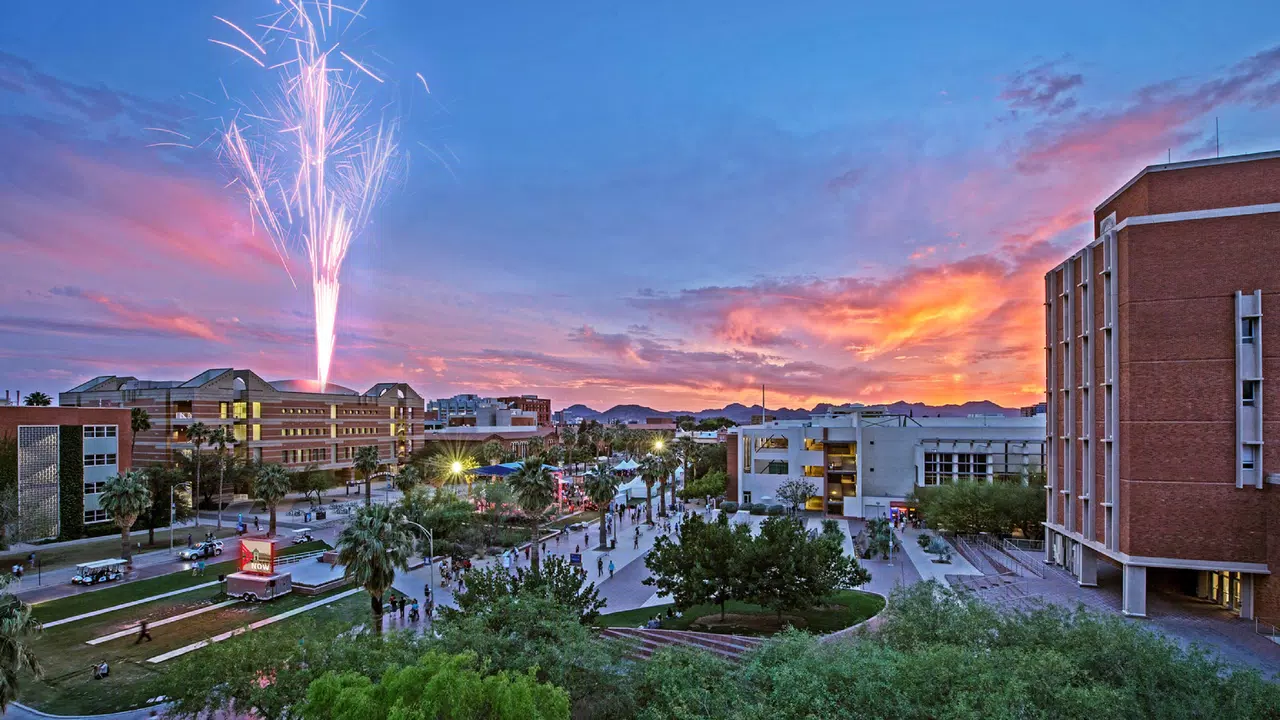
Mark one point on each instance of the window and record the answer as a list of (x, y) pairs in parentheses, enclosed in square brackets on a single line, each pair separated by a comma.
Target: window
[(1248, 393), (932, 463), (97, 459), (96, 516), (93, 488), (1248, 457), (964, 466), (99, 431), (746, 497), (1248, 330)]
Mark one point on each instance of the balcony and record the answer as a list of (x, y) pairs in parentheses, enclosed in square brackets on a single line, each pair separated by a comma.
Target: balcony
[(842, 465)]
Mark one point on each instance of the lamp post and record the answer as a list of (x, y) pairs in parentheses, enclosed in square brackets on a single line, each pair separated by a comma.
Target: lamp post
[(431, 562), (172, 508)]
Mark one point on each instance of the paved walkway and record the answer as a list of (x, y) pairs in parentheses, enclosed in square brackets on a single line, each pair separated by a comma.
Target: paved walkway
[(923, 561)]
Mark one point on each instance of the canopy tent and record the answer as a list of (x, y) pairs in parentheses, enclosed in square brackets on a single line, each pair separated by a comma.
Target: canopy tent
[(626, 465), (504, 469), (633, 489)]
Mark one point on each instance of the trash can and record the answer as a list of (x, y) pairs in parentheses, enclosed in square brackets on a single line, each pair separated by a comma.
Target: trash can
[(322, 514)]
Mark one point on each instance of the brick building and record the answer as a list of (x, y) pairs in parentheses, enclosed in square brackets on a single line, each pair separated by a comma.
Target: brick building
[(286, 422), (1163, 415), (54, 463), (530, 403)]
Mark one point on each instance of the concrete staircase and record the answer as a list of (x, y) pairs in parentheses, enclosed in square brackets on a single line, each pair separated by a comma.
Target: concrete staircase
[(643, 643)]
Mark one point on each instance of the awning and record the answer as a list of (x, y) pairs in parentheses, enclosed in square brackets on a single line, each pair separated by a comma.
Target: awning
[(626, 465), (504, 469)]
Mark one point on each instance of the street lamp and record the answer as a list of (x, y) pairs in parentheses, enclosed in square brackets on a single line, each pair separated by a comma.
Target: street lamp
[(172, 509), (431, 564), (456, 467), (657, 445)]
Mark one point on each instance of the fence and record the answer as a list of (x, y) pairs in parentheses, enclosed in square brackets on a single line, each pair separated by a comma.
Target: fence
[(994, 557), (1264, 627), (290, 559)]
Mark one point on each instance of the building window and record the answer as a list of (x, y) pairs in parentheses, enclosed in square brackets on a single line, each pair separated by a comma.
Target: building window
[(97, 459), (95, 516), (1248, 330), (93, 488), (1248, 393), (99, 431), (932, 464), (1249, 457)]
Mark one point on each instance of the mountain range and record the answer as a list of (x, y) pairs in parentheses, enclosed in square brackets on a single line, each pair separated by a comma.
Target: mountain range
[(740, 413)]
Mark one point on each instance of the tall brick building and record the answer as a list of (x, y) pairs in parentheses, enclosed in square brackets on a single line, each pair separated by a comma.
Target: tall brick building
[(286, 421), (531, 403), (1163, 402)]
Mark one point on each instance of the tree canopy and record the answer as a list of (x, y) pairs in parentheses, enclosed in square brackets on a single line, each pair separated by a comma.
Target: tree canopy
[(969, 507)]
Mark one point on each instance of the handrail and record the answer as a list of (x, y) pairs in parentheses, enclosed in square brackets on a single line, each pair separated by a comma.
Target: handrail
[(1260, 623), (290, 559)]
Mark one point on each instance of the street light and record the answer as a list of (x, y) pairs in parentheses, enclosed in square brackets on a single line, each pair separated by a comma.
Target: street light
[(657, 445), (172, 508), (431, 563), (456, 467)]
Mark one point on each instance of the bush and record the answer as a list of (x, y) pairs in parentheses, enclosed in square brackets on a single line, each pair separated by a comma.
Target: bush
[(775, 510), (757, 509), (729, 507), (923, 539)]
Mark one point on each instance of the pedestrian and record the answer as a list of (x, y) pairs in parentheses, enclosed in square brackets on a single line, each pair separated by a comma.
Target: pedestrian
[(544, 548), (557, 538), (143, 633), (577, 549), (256, 526), (610, 568), (426, 591), (586, 539), (636, 546), (402, 602), (599, 566)]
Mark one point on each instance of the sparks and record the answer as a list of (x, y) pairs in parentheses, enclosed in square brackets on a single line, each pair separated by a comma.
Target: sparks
[(311, 161)]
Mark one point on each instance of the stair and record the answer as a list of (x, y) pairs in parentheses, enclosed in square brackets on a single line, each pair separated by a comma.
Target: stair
[(644, 642)]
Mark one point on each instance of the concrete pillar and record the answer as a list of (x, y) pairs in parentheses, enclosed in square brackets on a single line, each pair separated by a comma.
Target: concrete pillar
[(1203, 586), (1048, 546), (1088, 575), (1246, 596), (1134, 603)]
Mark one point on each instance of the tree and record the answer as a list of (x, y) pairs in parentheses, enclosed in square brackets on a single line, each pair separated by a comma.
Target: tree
[(706, 566), (271, 486), (139, 422), (437, 686), (309, 481), (446, 515), (796, 493), (372, 548), (602, 487), (651, 469), (535, 489), (497, 504), (18, 628), (711, 458), (37, 399), (969, 507), (125, 497), (197, 435), (713, 484), (686, 450), (220, 438), (490, 452), (408, 478), (796, 569), (556, 581), (715, 423), (162, 479), (367, 464)]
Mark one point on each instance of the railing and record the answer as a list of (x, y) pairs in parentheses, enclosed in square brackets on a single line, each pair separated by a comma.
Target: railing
[(1024, 544), (995, 558), (1266, 628), (290, 559)]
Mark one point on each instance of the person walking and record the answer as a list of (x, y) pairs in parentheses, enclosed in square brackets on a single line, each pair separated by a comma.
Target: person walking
[(256, 526), (599, 567), (403, 600), (143, 632)]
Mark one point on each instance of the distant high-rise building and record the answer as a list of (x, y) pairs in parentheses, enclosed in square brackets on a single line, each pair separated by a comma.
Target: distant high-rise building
[(1163, 408), (531, 403)]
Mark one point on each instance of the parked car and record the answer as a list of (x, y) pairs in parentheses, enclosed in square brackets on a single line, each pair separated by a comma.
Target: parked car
[(301, 535), (209, 548)]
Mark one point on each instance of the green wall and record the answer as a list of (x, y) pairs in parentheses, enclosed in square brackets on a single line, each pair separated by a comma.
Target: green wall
[(71, 481)]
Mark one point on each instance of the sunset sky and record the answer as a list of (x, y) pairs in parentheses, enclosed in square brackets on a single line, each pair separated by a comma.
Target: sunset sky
[(665, 203)]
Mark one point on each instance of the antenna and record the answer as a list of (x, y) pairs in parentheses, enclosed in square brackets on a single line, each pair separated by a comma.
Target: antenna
[(1217, 139), (1170, 155)]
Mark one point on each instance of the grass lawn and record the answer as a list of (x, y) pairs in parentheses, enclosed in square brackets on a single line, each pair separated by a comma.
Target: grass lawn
[(127, 592), (585, 516), (68, 686), (845, 608), (106, 547)]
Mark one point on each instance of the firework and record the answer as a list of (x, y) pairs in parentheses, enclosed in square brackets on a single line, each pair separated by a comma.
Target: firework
[(313, 158)]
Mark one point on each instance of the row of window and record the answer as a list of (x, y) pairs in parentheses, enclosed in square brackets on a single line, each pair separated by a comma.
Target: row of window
[(361, 412), (303, 432), (95, 516), (360, 431), (304, 455), (302, 411), (99, 431), (96, 459), (962, 466), (93, 488)]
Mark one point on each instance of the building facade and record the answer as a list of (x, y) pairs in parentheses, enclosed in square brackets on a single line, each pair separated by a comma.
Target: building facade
[(541, 407), (457, 406), (285, 422), (54, 464), (866, 462), (1163, 420)]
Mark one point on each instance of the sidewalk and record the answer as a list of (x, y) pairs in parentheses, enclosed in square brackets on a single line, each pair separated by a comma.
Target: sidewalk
[(923, 561)]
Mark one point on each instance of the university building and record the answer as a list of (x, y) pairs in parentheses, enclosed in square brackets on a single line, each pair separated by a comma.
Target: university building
[(287, 422), (865, 462), (54, 464), (1163, 409)]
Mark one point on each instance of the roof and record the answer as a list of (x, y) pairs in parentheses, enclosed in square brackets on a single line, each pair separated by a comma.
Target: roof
[(310, 386), (205, 377), (1206, 162), (86, 385), (505, 469), (484, 432)]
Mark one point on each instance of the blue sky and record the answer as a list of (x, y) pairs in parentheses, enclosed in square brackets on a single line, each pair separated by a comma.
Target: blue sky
[(642, 202)]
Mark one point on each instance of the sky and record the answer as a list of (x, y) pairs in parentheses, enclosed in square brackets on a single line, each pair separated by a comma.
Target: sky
[(665, 203)]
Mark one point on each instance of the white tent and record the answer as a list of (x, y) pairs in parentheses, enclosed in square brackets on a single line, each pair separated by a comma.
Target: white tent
[(633, 489), (626, 465)]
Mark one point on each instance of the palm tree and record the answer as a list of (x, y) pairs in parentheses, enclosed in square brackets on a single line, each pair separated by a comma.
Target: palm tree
[(197, 435), (535, 490), (371, 549), (126, 496), (17, 629), (272, 484), (37, 399), (220, 438), (408, 478), (139, 422), (602, 487), (367, 464), (687, 450), (650, 470), (535, 447)]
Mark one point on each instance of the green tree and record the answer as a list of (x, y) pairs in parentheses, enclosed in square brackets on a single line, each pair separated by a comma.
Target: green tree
[(712, 484), (715, 423), (372, 548), (139, 422), (795, 570), (367, 464), (408, 477), (162, 479), (37, 399), (686, 451), (655, 468), (310, 481), (220, 438), (18, 628), (446, 515), (969, 507), (711, 458), (271, 486), (602, 487), (125, 497), (490, 452), (556, 581), (796, 492), (707, 566), (498, 504), (535, 489), (437, 686), (198, 436)]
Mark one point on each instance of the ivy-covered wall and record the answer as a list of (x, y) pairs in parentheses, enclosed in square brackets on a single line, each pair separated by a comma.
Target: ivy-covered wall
[(71, 481), (8, 487)]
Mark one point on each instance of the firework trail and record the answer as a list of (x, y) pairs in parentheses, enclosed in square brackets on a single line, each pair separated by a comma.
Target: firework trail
[(311, 159)]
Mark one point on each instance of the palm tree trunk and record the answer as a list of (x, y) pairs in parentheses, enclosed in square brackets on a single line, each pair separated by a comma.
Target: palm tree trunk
[(222, 477), (195, 496), (375, 602), (368, 490), (126, 551), (648, 503), (604, 540), (535, 561), (662, 502), (271, 527)]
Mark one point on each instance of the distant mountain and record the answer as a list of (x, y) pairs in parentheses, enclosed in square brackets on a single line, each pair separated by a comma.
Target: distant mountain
[(740, 413)]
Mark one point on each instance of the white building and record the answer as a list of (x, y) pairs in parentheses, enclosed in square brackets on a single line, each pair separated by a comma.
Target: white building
[(866, 461)]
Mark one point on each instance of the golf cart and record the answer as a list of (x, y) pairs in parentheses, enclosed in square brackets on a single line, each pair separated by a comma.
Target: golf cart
[(99, 571), (301, 535), (208, 548)]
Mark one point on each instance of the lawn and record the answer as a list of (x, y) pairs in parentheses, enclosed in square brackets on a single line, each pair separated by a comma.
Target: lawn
[(106, 547), (68, 686), (842, 610), (585, 516), (128, 592)]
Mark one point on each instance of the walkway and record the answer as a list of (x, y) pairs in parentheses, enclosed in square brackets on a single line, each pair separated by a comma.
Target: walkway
[(923, 561)]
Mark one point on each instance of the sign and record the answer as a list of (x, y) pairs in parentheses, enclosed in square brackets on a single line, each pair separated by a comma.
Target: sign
[(258, 556), (575, 559)]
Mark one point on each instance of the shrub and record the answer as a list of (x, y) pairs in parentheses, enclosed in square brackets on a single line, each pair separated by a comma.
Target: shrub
[(775, 510), (729, 507), (757, 509), (923, 539)]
